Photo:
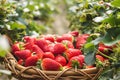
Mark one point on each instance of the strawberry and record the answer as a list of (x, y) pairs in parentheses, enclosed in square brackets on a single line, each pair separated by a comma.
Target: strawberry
[(59, 48), (50, 65), (29, 42), (71, 53), (31, 61), (49, 48), (20, 61), (68, 37), (76, 61), (49, 37), (61, 60), (37, 51), (23, 54), (74, 33), (42, 43), (68, 44), (59, 38), (17, 46), (48, 55), (105, 49), (29, 39), (100, 58), (81, 40)]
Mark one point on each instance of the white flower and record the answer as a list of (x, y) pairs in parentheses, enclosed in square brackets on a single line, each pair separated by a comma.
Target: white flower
[(37, 13), (42, 5), (109, 11), (73, 8), (25, 3), (98, 19), (8, 27), (36, 7), (31, 3), (35, 34), (26, 10)]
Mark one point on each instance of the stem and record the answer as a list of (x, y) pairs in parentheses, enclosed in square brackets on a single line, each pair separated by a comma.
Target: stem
[(106, 56)]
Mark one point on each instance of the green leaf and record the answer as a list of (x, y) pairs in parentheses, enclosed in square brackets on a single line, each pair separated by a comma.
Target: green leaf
[(2, 53), (17, 25), (116, 3), (97, 40), (111, 20), (90, 50), (112, 36)]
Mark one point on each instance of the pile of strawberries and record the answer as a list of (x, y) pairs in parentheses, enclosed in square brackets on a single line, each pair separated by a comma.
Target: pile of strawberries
[(53, 52)]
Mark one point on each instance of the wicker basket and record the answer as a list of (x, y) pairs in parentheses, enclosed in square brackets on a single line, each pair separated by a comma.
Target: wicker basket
[(33, 73)]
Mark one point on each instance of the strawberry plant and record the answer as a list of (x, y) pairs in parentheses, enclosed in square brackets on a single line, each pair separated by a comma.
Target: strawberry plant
[(19, 18)]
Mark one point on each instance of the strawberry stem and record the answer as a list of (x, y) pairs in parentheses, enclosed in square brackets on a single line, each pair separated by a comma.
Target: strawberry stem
[(76, 68), (106, 55)]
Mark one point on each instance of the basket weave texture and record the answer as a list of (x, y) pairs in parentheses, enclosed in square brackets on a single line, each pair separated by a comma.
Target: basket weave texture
[(33, 73)]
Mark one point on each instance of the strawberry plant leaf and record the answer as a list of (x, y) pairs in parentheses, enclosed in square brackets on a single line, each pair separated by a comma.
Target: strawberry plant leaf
[(17, 25), (90, 50), (116, 3), (112, 36)]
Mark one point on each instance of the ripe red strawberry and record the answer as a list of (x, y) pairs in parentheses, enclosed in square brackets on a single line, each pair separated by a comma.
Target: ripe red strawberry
[(81, 40), (17, 46), (29, 39), (105, 49), (49, 37), (71, 53), (76, 61), (68, 44), (48, 55), (20, 61), (42, 43), (59, 38), (49, 48), (29, 42), (99, 57), (74, 33), (59, 48), (23, 54), (37, 51), (61, 60), (31, 61), (50, 65), (68, 37)]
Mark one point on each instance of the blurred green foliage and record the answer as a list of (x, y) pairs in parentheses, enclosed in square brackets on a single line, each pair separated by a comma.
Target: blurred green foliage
[(93, 16), (19, 18)]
